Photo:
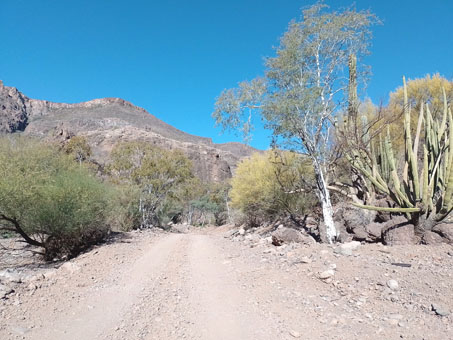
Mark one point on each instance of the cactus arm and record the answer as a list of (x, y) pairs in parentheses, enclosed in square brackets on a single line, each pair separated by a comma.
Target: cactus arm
[(394, 210), (414, 162), (425, 174), (443, 125), (450, 147)]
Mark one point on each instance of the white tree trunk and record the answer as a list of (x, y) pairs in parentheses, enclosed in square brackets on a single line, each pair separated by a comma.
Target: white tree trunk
[(326, 204), (327, 213)]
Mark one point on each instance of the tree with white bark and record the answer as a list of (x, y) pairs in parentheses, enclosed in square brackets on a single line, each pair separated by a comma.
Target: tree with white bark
[(304, 87)]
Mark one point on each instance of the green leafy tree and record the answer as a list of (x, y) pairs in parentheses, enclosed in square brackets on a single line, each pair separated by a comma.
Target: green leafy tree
[(303, 89), (158, 173), (48, 199)]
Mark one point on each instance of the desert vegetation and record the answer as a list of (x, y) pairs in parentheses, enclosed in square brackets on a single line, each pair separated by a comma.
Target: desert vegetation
[(392, 162), (335, 159)]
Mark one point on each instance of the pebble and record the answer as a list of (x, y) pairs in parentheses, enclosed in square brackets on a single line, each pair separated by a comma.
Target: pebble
[(326, 274), (294, 334), (439, 310), (305, 259), (392, 284)]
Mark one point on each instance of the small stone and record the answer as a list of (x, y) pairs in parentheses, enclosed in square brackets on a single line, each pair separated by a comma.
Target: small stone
[(326, 274), (305, 259), (392, 284), (439, 310), (294, 334), (70, 267)]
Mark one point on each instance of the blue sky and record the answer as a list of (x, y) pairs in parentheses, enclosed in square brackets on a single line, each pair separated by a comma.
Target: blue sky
[(174, 57)]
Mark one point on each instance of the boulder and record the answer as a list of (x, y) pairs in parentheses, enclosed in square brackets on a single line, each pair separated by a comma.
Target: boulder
[(180, 228), (374, 231), (290, 235), (445, 230), (430, 238), (398, 232)]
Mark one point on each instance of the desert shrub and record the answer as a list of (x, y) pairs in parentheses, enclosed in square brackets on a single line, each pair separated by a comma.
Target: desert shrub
[(272, 184), (124, 207), (49, 199), (78, 148)]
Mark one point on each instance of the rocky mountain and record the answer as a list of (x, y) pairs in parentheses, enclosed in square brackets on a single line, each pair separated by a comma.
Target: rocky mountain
[(107, 121)]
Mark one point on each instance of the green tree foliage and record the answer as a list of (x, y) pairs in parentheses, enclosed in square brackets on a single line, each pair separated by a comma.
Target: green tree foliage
[(299, 95), (159, 174), (48, 199), (209, 204), (124, 204), (78, 148), (272, 184)]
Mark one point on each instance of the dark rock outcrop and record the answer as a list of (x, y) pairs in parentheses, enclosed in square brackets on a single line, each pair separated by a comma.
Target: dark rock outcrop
[(107, 121)]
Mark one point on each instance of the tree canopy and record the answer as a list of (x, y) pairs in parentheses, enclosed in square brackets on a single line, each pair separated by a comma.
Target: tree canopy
[(304, 87)]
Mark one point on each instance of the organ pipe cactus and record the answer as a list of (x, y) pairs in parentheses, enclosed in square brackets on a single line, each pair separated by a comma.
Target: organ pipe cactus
[(422, 188)]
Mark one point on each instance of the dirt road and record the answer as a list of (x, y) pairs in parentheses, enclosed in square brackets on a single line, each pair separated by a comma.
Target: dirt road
[(198, 286)]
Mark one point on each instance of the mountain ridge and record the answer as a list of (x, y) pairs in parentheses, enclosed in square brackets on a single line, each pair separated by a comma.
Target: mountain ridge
[(106, 121)]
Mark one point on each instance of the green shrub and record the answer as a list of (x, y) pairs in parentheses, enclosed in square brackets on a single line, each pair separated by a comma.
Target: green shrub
[(49, 199)]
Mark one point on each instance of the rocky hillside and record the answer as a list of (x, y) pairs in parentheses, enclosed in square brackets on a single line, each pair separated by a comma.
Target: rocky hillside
[(105, 122)]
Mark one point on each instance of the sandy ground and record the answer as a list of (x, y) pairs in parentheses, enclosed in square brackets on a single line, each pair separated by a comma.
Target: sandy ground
[(204, 285)]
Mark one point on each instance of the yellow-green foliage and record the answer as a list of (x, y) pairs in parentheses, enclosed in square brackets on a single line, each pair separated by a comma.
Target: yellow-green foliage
[(49, 199), (422, 90), (271, 184), (78, 148)]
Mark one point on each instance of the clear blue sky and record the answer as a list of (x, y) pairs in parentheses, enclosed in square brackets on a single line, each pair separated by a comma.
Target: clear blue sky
[(174, 57)]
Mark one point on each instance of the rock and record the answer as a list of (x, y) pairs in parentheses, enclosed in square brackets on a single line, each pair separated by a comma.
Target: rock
[(9, 275), (360, 234), (374, 231), (431, 238), (439, 310), (241, 231), (398, 232), (445, 230), (294, 334), (180, 228), (5, 290), (326, 274), (393, 284), (347, 248), (305, 259), (290, 235), (70, 267)]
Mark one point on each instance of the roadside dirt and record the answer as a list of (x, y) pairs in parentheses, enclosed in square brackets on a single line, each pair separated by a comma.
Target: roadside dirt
[(207, 285)]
